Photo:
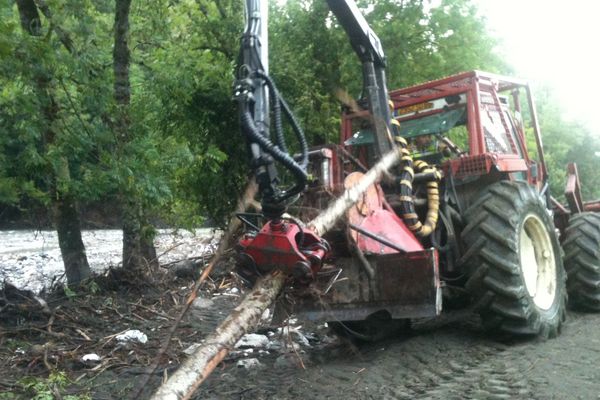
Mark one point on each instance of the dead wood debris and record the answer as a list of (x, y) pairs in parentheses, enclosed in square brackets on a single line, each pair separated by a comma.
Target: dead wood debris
[(39, 337)]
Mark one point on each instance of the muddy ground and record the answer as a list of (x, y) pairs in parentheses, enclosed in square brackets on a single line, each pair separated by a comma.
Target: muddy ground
[(447, 358)]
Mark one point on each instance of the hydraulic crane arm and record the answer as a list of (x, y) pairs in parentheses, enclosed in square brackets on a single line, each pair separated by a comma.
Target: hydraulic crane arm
[(258, 98), (367, 46), (362, 38)]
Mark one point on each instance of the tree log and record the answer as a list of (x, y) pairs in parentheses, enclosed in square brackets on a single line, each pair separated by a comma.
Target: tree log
[(216, 346), (327, 218), (247, 314)]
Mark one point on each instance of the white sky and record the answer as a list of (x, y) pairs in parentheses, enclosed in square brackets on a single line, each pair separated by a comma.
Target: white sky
[(553, 42)]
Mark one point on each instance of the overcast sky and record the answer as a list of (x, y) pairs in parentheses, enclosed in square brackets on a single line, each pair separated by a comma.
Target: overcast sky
[(557, 42)]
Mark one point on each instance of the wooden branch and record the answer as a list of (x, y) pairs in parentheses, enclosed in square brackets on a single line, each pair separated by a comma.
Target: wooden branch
[(221, 9), (30, 18), (63, 36), (72, 104)]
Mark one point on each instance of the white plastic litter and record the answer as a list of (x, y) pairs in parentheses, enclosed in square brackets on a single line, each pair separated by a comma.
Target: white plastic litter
[(132, 335), (252, 340), (92, 357), (248, 363)]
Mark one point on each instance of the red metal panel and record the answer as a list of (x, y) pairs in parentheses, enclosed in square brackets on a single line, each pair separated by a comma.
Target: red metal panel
[(482, 164), (369, 213), (476, 141), (387, 225), (592, 206), (573, 189), (508, 163)]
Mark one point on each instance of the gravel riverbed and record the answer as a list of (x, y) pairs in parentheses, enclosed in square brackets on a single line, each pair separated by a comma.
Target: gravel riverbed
[(31, 259)]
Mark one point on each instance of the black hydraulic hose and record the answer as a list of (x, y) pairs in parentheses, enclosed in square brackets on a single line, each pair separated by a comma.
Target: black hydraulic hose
[(267, 146), (298, 131), (300, 136), (276, 106)]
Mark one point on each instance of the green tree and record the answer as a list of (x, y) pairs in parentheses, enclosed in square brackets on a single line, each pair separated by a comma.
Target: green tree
[(85, 160), (46, 142), (138, 235), (185, 55), (566, 141)]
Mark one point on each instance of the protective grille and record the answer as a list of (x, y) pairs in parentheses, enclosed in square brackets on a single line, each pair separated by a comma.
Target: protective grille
[(470, 166)]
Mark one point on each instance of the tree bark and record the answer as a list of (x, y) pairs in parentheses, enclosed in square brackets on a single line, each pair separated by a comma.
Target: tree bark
[(72, 249), (65, 214), (121, 60), (138, 244)]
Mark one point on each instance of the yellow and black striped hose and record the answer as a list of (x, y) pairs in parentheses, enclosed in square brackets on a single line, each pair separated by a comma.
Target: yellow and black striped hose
[(407, 208)]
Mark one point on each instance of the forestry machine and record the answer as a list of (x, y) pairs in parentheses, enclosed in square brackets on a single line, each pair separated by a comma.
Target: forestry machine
[(431, 195)]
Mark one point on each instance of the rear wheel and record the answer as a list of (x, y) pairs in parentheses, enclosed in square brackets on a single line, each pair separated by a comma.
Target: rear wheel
[(513, 261), (582, 260)]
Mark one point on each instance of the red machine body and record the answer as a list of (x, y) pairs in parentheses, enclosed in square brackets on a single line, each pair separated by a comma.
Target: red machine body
[(460, 199)]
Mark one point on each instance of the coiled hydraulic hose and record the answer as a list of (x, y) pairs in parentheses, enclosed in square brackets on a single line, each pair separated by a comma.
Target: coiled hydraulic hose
[(254, 135), (407, 207), (278, 102), (251, 75)]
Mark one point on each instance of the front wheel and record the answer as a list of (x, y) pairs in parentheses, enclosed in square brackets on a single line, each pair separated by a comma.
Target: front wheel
[(513, 261)]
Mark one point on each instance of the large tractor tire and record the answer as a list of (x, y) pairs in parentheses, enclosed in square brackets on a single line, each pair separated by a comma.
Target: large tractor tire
[(513, 261), (582, 260)]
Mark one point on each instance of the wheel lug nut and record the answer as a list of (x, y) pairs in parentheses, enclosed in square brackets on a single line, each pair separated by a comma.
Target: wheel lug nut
[(546, 254)]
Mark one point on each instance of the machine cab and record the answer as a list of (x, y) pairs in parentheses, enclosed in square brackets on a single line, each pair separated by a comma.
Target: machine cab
[(468, 124)]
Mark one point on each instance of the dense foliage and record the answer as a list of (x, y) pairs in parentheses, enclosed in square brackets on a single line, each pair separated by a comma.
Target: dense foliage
[(185, 159)]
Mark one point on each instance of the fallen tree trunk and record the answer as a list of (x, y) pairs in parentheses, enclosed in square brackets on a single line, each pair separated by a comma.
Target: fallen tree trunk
[(328, 217), (247, 314), (216, 346), (244, 202)]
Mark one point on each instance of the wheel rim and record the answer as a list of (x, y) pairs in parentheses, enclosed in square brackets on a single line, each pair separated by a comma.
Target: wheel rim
[(538, 264)]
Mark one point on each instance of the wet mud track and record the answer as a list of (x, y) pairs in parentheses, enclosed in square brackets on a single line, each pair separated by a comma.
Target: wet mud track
[(447, 358)]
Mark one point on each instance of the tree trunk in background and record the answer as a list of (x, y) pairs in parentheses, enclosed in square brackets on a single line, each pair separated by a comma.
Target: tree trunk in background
[(66, 219), (138, 243), (138, 237), (65, 214)]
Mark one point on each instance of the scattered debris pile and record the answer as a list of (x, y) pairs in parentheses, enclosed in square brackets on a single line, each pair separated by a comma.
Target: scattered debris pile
[(105, 333)]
